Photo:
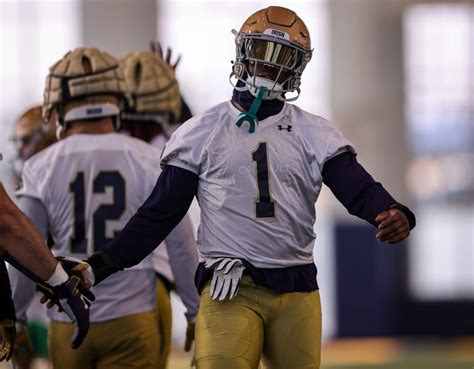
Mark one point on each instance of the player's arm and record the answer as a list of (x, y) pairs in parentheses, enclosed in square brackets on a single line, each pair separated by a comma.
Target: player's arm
[(23, 287), (362, 196), (148, 227), (20, 238), (27, 248)]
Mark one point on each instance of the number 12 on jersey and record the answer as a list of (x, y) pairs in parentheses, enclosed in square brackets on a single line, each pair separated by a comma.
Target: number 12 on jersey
[(264, 206), (105, 212)]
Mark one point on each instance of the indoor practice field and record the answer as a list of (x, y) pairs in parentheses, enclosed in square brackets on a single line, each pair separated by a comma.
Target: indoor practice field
[(380, 353)]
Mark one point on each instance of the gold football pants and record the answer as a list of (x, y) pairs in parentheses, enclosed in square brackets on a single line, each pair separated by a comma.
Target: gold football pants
[(283, 329), (122, 343), (164, 320)]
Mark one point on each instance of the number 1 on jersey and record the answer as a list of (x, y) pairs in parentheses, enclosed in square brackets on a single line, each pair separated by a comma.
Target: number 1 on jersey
[(264, 207), (78, 239)]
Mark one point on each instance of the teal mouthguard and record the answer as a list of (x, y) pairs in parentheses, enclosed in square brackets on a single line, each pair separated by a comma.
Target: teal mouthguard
[(251, 116)]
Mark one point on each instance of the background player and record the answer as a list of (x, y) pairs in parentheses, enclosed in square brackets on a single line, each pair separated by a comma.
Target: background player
[(31, 135), (257, 165), (82, 190), (157, 105)]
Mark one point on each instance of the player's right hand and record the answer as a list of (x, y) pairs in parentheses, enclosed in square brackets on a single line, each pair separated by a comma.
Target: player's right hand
[(79, 268), (190, 331), (7, 339), (23, 352), (74, 301), (226, 277)]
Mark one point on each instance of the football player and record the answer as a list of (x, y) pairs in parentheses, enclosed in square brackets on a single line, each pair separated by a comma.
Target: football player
[(31, 135), (157, 106), (82, 190), (257, 165), (22, 242)]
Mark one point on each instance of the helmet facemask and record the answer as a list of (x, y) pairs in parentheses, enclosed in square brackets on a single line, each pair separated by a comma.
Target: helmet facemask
[(273, 48), (284, 60)]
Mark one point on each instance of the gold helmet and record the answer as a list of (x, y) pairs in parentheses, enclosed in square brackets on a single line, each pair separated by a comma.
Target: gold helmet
[(31, 133), (154, 88), (85, 84), (274, 38)]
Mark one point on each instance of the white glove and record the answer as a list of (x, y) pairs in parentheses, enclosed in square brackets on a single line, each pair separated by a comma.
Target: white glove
[(79, 268), (226, 277)]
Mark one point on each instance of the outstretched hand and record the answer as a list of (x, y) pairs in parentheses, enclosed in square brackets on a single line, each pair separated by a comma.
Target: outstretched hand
[(190, 331), (74, 299), (392, 227), (156, 48)]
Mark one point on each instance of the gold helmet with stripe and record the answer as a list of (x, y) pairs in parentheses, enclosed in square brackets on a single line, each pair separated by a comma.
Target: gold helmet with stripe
[(274, 38), (85, 84)]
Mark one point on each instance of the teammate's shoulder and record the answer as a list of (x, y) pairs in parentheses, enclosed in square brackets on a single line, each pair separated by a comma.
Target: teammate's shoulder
[(144, 153), (202, 124), (133, 142), (306, 118), (43, 159)]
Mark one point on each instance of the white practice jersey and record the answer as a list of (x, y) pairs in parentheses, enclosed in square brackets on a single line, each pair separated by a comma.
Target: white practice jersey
[(90, 185), (256, 191)]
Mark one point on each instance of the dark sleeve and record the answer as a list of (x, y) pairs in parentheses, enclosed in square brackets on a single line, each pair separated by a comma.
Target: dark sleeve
[(12, 261), (360, 194), (185, 112), (7, 309), (154, 220)]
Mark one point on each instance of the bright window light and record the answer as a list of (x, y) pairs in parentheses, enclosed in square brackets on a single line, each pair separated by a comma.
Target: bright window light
[(439, 70), (207, 47), (33, 35)]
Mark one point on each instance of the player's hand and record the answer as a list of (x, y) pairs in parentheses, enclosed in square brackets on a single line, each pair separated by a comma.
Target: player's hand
[(79, 268), (7, 339), (72, 266), (23, 352), (226, 277), (74, 302), (188, 343), (156, 48), (392, 227)]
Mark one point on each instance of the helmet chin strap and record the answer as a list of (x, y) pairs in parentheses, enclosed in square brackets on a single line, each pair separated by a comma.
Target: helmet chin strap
[(251, 116), (59, 131), (273, 88)]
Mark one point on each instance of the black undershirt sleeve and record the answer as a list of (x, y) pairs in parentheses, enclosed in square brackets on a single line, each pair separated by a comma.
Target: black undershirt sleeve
[(154, 220), (360, 194), (7, 309)]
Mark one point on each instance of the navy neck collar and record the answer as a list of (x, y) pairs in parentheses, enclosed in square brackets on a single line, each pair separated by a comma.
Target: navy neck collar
[(267, 108)]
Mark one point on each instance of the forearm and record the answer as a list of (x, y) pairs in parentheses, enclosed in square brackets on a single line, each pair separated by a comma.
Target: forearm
[(154, 220), (360, 194), (20, 238)]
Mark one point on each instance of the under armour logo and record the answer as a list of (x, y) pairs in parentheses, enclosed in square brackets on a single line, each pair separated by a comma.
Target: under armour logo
[(287, 128)]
